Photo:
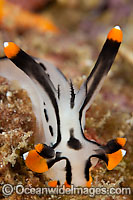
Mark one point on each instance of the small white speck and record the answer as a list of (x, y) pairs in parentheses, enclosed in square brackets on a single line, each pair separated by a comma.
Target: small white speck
[(84, 77), (6, 44), (123, 152), (3, 133), (25, 155), (8, 94), (117, 27)]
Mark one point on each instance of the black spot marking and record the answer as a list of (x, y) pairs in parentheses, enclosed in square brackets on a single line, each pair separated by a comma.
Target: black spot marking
[(51, 130), (58, 91), (72, 95), (44, 103), (74, 143), (46, 115), (42, 65)]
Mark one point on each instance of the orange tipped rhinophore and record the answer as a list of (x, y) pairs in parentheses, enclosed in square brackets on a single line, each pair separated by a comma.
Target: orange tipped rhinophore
[(115, 34), (115, 158), (11, 49), (35, 162)]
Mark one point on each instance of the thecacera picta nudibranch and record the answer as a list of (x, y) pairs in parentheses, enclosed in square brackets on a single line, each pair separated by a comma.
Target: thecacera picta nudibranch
[(62, 151)]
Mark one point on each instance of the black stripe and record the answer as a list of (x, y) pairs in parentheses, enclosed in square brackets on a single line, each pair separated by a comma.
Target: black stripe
[(87, 167), (68, 172), (58, 91), (101, 68), (72, 99), (51, 130), (42, 65), (58, 182), (88, 163), (68, 167), (94, 142), (46, 115), (30, 67)]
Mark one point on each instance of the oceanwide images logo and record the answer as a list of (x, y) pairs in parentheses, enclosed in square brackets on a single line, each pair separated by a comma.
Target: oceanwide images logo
[(9, 189)]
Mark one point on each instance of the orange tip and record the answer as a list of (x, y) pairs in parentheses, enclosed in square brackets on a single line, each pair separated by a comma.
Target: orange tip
[(115, 34), (88, 184), (121, 141), (35, 162), (115, 158), (11, 49), (52, 183), (39, 147)]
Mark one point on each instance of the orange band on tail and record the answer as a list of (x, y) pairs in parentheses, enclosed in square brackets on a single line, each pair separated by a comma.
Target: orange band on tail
[(11, 49), (115, 158), (115, 34)]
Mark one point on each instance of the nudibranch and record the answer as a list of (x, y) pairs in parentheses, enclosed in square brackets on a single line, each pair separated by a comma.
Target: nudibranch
[(62, 150)]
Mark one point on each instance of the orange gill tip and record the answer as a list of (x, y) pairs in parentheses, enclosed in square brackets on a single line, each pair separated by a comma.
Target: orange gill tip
[(115, 158), (11, 49), (35, 162), (52, 183), (121, 141), (39, 147), (115, 34)]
